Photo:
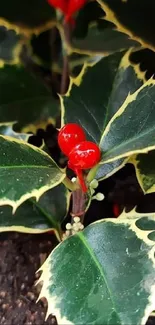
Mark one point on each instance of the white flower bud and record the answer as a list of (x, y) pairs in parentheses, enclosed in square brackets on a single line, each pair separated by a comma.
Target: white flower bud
[(73, 179), (76, 219), (76, 226), (68, 226), (99, 196), (81, 226), (94, 183), (68, 233)]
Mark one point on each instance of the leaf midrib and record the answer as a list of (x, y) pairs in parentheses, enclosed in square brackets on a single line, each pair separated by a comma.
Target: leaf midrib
[(91, 252)]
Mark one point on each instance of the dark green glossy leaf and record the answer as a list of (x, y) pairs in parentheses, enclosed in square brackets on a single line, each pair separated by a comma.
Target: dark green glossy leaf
[(36, 217), (129, 17), (132, 129), (102, 280), (25, 172), (102, 39), (24, 98), (145, 170), (107, 170), (92, 34), (97, 94), (26, 14)]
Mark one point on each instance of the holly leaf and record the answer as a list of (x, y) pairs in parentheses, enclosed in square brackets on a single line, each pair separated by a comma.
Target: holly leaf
[(26, 16), (25, 172), (129, 17), (137, 134), (106, 170), (96, 95), (10, 45), (37, 217), (92, 34), (100, 40), (111, 280), (24, 98), (145, 170)]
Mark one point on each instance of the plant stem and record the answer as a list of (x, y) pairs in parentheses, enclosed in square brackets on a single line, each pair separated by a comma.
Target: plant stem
[(78, 204), (65, 72)]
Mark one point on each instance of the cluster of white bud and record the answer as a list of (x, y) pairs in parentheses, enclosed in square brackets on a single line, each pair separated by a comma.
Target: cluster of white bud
[(72, 229), (93, 185)]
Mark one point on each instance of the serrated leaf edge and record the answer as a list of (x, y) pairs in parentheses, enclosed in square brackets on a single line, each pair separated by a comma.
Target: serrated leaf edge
[(134, 161), (35, 193), (124, 63), (111, 17), (124, 219), (25, 30), (130, 98)]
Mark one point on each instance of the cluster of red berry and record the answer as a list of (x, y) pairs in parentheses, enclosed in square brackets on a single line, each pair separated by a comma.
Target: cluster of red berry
[(82, 154), (67, 7)]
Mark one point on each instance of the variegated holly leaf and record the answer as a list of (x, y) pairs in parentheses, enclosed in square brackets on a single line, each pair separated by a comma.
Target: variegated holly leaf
[(10, 45), (94, 278), (28, 16), (101, 40), (132, 128), (96, 95), (145, 170), (92, 34), (37, 217), (25, 172), (24, 98), (129, 17)]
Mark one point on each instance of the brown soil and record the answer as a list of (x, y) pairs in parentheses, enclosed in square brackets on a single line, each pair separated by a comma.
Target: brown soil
[(20, 257)]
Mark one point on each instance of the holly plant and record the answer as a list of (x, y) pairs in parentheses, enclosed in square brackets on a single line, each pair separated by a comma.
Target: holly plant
[(77, 103)]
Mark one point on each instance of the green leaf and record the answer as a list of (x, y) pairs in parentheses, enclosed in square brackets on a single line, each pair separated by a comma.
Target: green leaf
[(145, 170), (132, 128), (37, 217), (103, 39), (26, 16), (24, 98), (97, 93), (92, 34), (129, 17), (10, 45), (106, 170), (25, 172), (94, 278)]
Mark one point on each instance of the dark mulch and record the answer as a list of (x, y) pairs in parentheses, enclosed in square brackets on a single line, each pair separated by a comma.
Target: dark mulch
[(20, 257)]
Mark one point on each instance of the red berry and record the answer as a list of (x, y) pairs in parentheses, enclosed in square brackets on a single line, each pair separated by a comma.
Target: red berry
[(59, 4), (84, 155), (73, 6), (68, 7), (69, 136)]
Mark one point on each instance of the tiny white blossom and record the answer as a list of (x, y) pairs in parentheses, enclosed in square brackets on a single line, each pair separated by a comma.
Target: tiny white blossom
[(68, 226), (76, 219)]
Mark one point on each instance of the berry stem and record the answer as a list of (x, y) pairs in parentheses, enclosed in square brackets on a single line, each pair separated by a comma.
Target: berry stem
[(80, 176)]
